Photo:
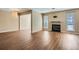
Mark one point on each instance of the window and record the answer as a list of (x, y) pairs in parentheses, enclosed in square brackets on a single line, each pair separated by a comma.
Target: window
[(70, 21), (45, 22)]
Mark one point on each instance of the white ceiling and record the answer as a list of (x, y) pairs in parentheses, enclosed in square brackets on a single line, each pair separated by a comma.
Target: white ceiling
[(45, 10), (40, 10)]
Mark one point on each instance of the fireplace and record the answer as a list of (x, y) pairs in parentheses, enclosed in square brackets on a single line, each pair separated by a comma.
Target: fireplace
[(56, 28)]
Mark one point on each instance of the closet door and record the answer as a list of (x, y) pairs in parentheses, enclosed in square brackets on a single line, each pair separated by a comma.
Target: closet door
[(25, 22)]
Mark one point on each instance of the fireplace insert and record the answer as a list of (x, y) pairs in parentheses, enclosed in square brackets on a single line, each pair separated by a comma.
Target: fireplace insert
[(56, 28)]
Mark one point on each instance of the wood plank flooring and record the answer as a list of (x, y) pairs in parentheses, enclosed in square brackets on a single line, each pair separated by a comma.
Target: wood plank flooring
[(43, 40)]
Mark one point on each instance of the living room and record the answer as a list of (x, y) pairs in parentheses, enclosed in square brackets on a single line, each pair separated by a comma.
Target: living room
[(39, 28)]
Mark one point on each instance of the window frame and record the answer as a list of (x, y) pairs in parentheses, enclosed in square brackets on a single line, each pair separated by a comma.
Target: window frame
[(70, 13)]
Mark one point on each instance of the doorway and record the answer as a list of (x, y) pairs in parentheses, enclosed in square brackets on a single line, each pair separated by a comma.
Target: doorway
[(25, 22)]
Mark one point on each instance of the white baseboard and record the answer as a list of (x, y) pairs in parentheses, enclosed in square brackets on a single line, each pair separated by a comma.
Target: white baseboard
[(7, 31)]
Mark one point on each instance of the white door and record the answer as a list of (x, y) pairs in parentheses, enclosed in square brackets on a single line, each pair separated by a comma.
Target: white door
[(25, 22)]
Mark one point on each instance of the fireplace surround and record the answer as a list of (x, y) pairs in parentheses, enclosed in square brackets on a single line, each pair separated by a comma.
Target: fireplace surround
[(56, 27)]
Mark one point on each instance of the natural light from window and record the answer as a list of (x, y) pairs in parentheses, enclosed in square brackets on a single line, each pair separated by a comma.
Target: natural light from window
[(70, 21)]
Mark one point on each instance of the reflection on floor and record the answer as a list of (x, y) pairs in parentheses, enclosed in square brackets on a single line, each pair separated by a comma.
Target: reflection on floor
[(42, 40)]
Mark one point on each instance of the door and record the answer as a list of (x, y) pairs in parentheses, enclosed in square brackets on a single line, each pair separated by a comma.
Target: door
[(25, 22)]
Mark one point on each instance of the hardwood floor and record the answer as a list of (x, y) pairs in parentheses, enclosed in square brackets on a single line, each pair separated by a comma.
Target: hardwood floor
[(42, 40)]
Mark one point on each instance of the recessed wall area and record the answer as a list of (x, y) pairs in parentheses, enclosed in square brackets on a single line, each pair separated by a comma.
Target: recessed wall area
[(25, 22)]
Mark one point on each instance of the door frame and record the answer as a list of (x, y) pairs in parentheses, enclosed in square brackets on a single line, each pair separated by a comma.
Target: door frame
[(24, 13)]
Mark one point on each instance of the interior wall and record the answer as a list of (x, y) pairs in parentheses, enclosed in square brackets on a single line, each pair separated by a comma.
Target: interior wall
[(8, 21), (77, 20), (36, 21), (62, 18)]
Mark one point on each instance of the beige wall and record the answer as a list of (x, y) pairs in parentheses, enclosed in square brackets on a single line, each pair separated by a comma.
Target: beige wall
[(8, 21), (36, 21), (62, 18)]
